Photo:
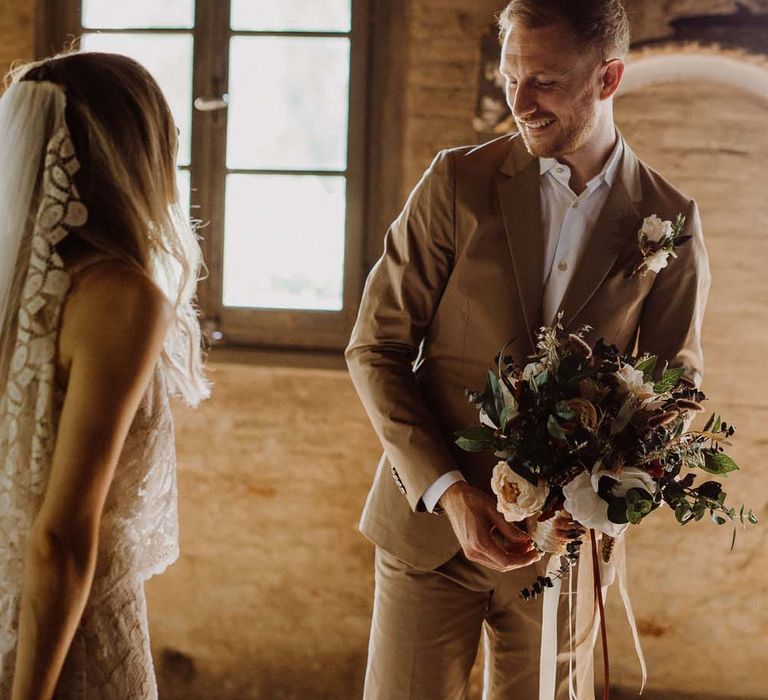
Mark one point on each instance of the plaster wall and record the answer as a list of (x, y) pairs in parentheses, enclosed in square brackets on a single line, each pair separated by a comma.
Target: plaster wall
[(271, 597)]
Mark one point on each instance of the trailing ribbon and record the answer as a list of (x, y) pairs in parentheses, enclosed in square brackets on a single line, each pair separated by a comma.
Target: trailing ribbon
[(601, 609), (583, 622)]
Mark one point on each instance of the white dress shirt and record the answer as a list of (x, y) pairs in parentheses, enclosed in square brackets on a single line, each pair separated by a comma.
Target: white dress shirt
[(567, 220)]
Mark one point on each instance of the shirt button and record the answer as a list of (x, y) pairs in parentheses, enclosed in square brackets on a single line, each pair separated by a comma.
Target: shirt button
[(575, 205), (562, 265), (559, 170)]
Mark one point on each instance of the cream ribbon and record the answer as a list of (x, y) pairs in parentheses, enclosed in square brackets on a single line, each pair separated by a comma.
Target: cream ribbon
[(583, 631)]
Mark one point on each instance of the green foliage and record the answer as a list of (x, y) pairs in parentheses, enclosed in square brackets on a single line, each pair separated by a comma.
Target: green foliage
[(555, 430), (562, 411), (476, 439), (647, 367), (496, 398), (639, 504), (506, 414), (719, 463), (669, 380)]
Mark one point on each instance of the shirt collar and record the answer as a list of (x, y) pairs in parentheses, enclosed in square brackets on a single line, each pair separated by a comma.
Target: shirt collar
[(608, 174)]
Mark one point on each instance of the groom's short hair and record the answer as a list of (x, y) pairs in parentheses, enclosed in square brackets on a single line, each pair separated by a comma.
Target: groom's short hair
[(600, 24)]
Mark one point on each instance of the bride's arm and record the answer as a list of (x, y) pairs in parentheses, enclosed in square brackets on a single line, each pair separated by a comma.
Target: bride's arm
[(112, 331)]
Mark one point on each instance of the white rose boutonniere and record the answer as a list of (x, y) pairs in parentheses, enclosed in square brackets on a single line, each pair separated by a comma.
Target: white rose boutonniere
[(517, 498), (658, 240)]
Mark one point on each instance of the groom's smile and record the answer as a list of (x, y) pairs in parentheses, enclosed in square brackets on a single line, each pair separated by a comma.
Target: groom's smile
[(552, 87)]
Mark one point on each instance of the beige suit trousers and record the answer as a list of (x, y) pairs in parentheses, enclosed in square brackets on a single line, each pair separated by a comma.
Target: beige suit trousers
[(427, 626)]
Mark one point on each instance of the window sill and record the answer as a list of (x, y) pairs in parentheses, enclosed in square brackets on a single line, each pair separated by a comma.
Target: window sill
[(304, 359)]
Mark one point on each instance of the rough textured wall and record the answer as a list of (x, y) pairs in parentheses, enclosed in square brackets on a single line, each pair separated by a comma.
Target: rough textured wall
[(17, 31), (703, 629), (271, 598)]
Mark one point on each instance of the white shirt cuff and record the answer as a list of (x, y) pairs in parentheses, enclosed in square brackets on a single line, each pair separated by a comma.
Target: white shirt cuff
[(434, 492)]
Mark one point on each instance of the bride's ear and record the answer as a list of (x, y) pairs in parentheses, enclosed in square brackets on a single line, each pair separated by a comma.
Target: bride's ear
[(612, 73)]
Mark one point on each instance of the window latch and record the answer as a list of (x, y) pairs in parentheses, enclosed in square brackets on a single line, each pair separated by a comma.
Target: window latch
[(211, 104)]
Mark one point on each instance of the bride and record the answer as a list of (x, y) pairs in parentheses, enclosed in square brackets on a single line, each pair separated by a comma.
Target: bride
[(98, 268)]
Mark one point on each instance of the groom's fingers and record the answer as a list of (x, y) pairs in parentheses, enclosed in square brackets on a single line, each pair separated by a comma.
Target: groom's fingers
[(503, 560), (496, 552), (510, 531)]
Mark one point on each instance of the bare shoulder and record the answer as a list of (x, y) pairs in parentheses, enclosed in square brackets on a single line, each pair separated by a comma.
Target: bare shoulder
[(113, 305)]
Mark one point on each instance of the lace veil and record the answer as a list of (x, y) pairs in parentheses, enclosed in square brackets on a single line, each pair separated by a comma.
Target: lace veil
[(39, 205)]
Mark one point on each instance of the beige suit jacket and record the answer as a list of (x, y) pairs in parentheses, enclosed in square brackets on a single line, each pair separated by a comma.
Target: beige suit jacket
[(461, 275)]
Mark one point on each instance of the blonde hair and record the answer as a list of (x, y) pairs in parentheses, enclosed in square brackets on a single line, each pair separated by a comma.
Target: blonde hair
[(600, 24), (126, 141)]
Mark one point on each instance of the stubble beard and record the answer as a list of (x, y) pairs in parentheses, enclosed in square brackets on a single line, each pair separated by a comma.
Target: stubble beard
[(570, 140)]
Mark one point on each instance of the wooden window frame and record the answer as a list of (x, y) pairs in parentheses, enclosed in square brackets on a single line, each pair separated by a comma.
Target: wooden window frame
[(58, 22)]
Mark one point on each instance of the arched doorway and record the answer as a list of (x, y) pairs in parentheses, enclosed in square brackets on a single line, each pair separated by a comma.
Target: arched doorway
[(699, 116)]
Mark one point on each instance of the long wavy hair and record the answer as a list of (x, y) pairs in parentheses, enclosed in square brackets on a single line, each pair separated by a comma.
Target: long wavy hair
[(126, 142)]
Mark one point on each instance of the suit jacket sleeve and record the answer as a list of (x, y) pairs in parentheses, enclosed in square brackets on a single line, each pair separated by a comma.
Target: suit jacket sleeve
[(400, 297), (672, 316)]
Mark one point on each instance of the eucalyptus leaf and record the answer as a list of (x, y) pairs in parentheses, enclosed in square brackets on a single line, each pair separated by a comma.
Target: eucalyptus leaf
[(719, 463)]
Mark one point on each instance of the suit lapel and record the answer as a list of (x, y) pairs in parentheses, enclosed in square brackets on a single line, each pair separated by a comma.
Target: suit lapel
[(618, 219), (518, 189)]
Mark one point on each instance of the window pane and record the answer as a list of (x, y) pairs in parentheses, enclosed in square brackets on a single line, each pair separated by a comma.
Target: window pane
[(168, 57), (183, 183), (119, 14), (288, 103), (284, 241), (291, 15)]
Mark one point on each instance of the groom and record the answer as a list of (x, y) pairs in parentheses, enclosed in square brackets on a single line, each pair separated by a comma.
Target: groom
[(493, 242)]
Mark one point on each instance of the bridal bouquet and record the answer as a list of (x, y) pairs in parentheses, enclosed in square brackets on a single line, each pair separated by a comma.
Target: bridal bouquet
[(589, 430)]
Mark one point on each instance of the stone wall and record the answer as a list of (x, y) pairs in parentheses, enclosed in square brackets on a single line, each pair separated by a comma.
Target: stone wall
[(271, 597)]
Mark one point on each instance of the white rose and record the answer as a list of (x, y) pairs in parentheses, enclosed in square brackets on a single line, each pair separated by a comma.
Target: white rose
[(516, 498), (588, 508), (633, 382), (654, 229), (657, 261)]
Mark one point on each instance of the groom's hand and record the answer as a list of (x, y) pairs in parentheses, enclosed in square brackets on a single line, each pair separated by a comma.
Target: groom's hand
[(484, 535)]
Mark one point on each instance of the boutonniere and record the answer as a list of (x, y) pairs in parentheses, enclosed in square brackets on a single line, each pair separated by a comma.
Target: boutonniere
[(658, 240)]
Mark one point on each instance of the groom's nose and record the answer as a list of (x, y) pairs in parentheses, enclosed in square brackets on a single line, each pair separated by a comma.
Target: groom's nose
[(523, 104)]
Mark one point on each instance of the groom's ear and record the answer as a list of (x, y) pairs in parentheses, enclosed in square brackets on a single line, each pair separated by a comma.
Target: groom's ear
[(612, 73)]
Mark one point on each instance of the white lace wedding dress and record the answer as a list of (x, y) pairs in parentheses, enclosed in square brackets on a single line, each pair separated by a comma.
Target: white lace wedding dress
[(110, 658)]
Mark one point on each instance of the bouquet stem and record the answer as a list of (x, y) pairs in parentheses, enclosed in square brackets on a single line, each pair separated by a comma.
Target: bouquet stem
[(599, 596)]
